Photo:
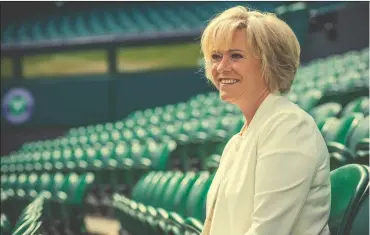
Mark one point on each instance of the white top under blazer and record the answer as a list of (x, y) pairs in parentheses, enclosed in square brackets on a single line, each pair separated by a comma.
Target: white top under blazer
[(275, 179)]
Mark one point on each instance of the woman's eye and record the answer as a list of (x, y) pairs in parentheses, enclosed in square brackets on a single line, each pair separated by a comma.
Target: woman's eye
[(216, 57), (236, 56)]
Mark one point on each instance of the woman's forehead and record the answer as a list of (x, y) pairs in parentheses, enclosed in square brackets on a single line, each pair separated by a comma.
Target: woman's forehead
[(228, 43)]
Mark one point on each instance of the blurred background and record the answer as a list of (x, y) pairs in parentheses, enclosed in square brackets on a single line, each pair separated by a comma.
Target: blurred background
[(106, 113)]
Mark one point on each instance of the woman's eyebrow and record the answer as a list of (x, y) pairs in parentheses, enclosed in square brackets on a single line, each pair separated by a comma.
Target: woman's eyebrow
[(229, 51), (236, 50)]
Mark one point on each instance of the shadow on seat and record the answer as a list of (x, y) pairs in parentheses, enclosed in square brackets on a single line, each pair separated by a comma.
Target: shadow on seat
[(349, 185)]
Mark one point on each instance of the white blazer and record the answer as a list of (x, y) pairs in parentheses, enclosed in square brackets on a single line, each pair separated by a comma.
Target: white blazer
[(275, 179)]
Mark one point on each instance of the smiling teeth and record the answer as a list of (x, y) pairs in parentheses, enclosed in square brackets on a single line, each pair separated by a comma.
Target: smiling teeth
[(228, 81)]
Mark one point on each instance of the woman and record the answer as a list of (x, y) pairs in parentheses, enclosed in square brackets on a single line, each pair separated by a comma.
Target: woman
[(274, 176)]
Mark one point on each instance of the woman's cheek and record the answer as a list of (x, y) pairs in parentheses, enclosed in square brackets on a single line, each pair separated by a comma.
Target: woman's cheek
[(214, 75)]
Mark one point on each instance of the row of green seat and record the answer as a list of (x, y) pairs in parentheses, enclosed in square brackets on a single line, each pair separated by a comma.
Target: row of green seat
[(65, 196), (347, 139), (142, 120), (118, 171), (334, 65), (166, 131), (5, 222), (334, 74), (117, 19), (174, 203), (30, 220), (350, 67), (91, 157), (162, 196), (199, 144), (334, 109), (118, 168), (133, 19)]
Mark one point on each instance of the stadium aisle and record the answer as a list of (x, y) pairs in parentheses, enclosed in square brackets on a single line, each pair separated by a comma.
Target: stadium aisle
[(102, 226)]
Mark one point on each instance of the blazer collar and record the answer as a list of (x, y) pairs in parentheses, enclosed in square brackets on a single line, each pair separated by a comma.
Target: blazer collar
[(264, 110)]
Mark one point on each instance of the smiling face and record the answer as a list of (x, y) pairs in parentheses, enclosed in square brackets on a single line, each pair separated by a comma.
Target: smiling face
[(236, 72)]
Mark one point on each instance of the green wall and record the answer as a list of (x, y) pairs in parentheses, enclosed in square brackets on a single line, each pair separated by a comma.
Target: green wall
[(97, 99)]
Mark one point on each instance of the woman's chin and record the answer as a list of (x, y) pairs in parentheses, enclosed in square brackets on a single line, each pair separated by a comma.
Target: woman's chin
[(226, 97)]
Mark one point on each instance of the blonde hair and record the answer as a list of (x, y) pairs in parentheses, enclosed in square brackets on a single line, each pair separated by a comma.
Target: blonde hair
[(268, 37)]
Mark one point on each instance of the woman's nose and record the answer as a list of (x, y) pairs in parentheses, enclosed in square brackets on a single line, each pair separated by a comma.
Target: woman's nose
[(224, 65)]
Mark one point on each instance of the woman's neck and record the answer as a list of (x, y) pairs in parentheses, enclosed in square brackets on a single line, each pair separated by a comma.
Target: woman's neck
[(250, 109)]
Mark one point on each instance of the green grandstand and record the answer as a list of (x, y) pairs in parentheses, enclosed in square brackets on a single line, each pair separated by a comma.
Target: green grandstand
[(141, 155)]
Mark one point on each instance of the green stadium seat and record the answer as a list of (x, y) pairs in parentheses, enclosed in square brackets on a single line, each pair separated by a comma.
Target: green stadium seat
[(213, 162), (360, 132), (25, 163), (194, 226), (31, 209), (141, 163), (345, 200), (5, 225), (310, 99), (4, 184), (166, 200), (182, 193), (18, 166), (124, 165), (195, 206), (59, 182), (359, 105), (132, 209), (197, 197), (103, 166), (80, 160), (362, 151), (360, 223), (7, 210), (35, 186), (67, 160), (157, 185), (46, 161), (30, 186), (139, 189), (9, 184), (337, 160), (339, 130), (324, 111), (159, 154), (56, 160), (155, 224), (30, 220), (148, 188), (160, 188), (19, 192), (292, 96), (29, 227), (67, 199), (337, 134)]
